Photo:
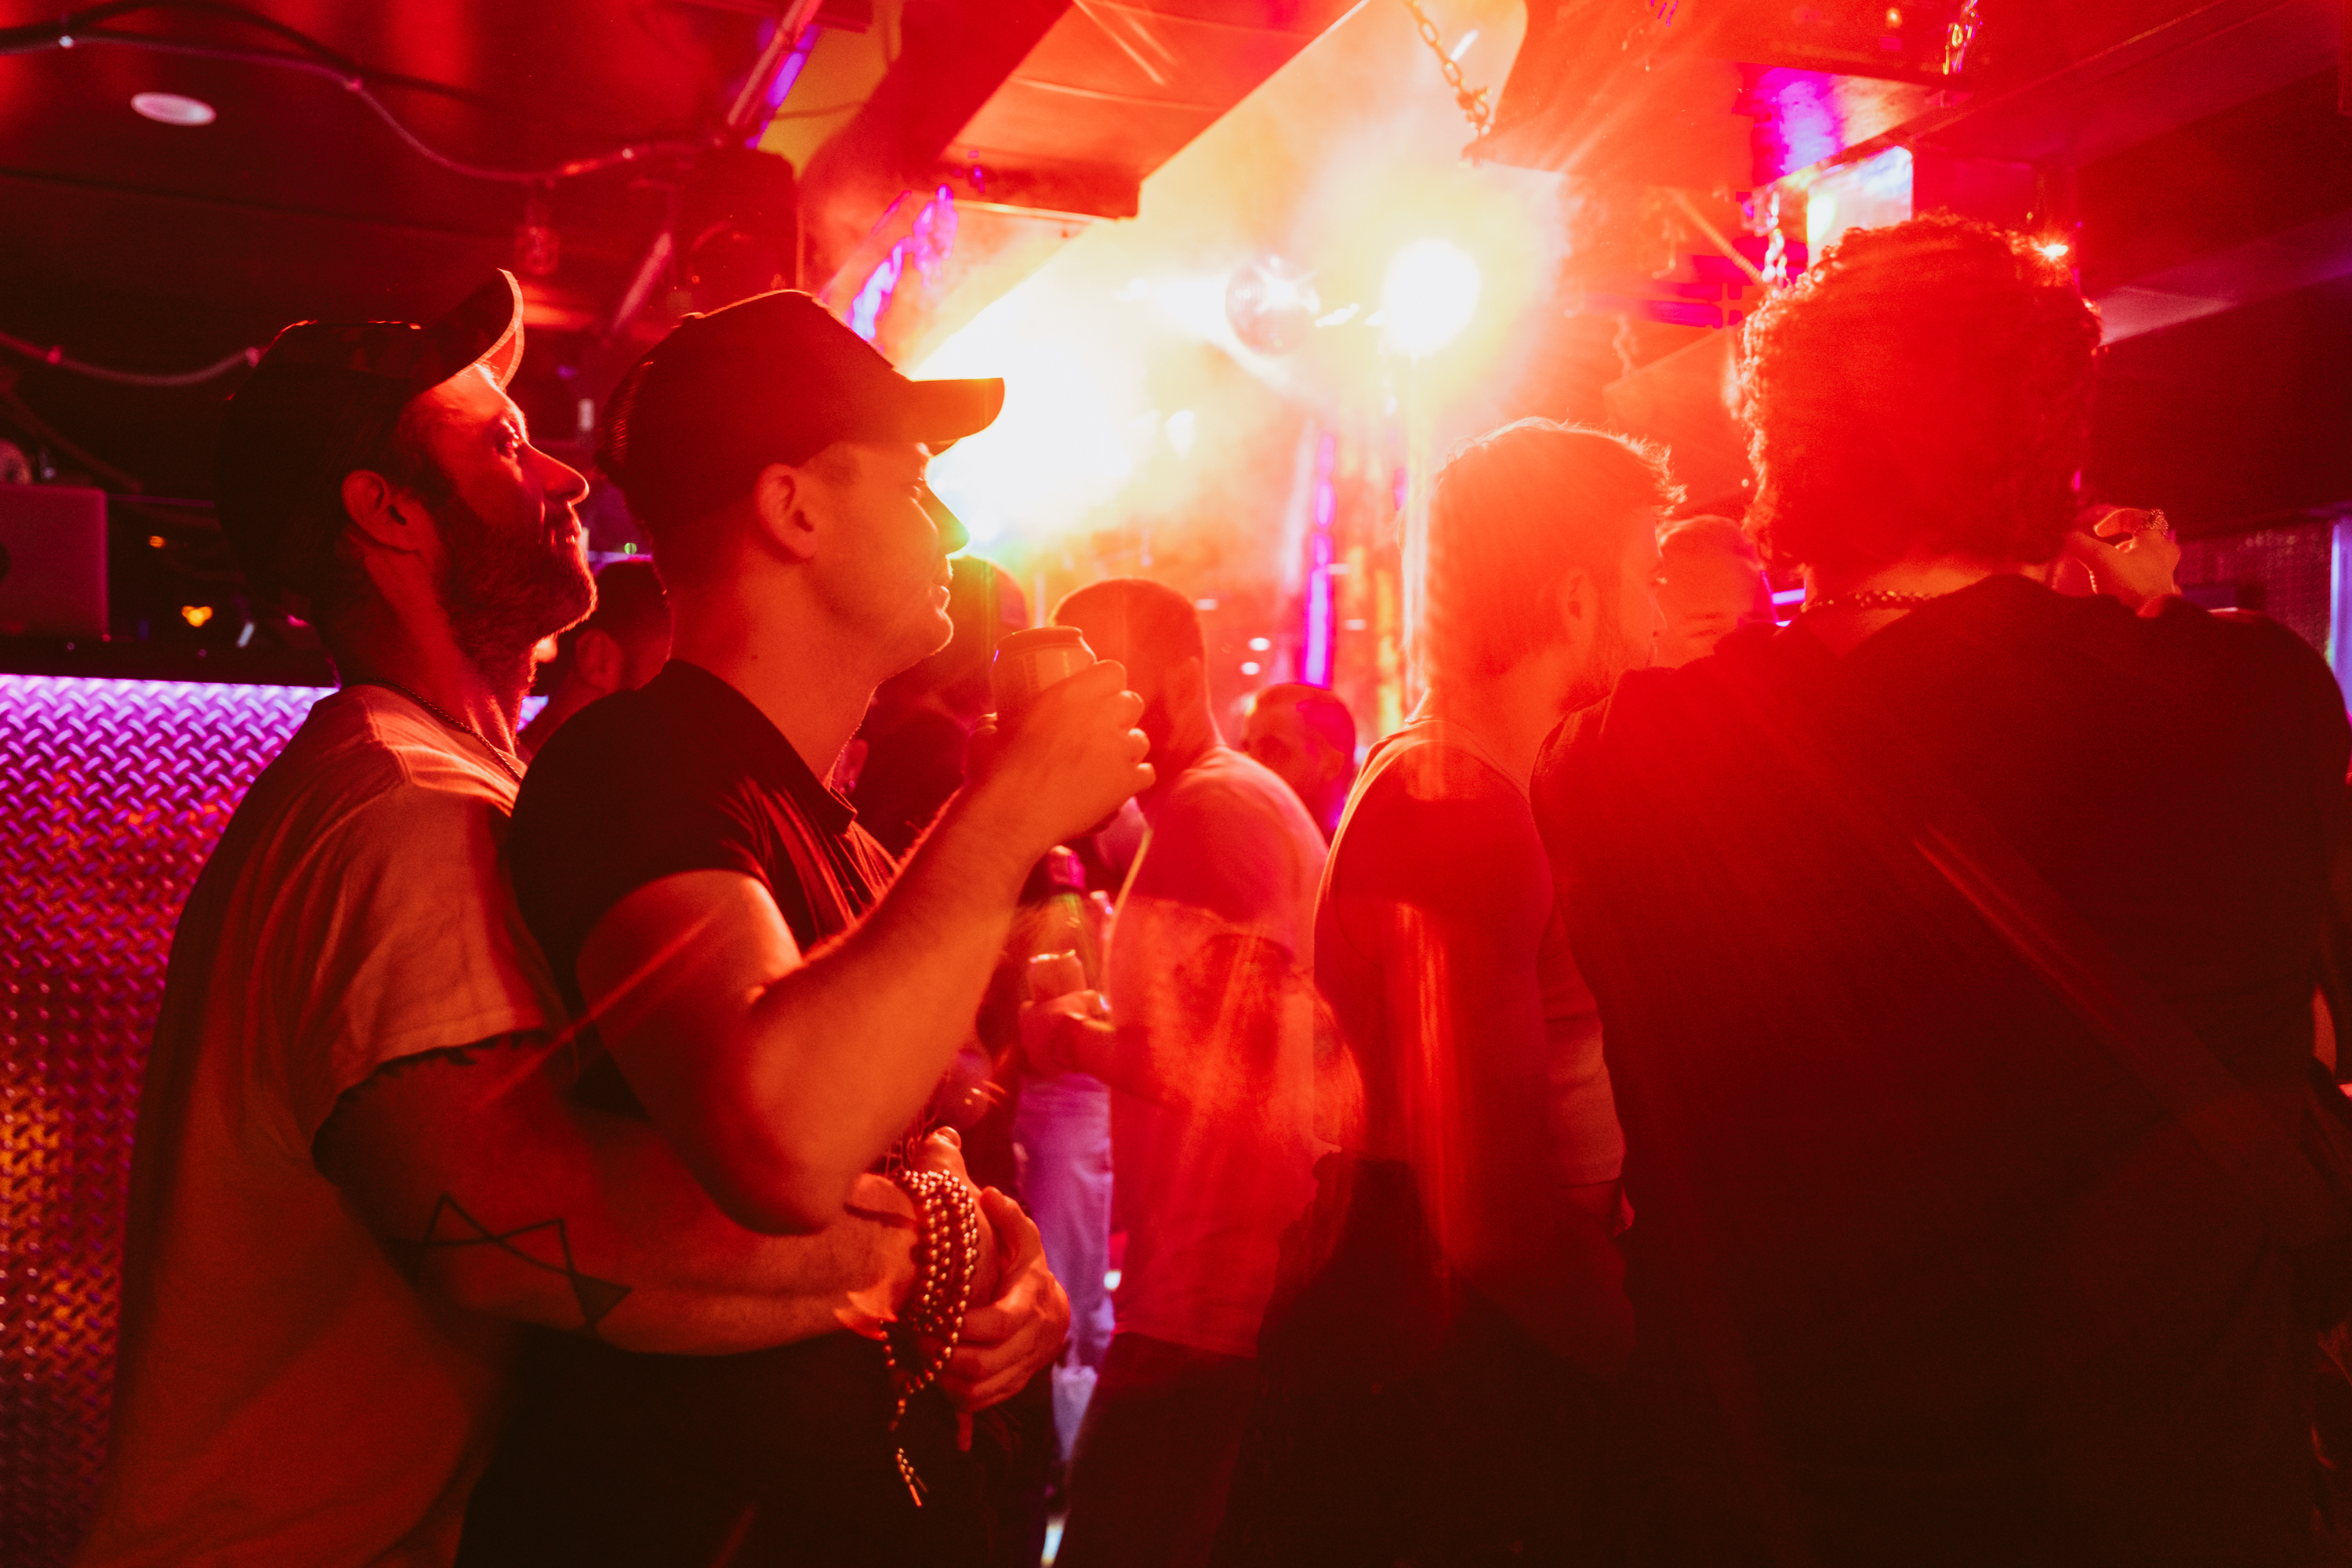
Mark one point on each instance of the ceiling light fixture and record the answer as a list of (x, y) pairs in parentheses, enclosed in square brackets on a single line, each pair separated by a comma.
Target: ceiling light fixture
[(172, 109)]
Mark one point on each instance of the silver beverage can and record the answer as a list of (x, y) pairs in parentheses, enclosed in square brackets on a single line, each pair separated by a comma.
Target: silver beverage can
[(1028, 662)]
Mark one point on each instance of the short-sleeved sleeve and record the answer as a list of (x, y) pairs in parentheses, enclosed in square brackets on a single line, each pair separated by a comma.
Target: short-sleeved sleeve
[(614, 803), (400, 938), (587, 840)]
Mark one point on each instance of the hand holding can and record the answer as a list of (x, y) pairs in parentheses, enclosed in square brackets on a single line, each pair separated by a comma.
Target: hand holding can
[(1064, 746)]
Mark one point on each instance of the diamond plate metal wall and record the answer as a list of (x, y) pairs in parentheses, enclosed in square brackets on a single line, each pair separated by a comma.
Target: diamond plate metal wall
[(111, 795)]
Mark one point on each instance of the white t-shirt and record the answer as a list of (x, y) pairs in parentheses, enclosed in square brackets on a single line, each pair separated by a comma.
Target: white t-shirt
[(1231, 866), (282, 1394)]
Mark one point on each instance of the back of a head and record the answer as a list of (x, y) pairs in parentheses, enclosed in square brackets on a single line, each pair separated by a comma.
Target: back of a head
[(1318, 709), (631, 602), (632, 608), (1696, 537), (1146, 626), (1924, 390), (1514, 511)]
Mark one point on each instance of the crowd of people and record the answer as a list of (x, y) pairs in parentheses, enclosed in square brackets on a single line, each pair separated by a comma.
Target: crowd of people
[(1704, 1092)]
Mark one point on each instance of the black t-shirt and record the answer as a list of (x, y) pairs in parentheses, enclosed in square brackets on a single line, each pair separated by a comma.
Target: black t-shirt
[(612, 1455), (914, 761), (683, 774), (1922, 1274)]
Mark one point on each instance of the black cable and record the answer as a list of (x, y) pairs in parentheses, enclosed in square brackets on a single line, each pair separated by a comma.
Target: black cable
[(57, 359), (78, 28)]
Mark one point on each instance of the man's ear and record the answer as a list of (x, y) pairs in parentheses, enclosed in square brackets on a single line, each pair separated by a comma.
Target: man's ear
[(1575, 600), (1185, 682), (598, 660), (779, 498), (388, 515)]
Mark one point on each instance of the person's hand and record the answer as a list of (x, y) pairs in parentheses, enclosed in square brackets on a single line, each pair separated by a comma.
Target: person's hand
[(2130, 554), (1019, 1331), (1068, 762), (1052, 1030)]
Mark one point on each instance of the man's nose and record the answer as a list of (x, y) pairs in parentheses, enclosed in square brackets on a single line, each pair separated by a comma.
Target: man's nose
[(560, 479), (953, 535)]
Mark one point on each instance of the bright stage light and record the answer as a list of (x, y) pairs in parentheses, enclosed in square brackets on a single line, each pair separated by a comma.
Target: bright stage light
[(2055, 249), (1429, 296)]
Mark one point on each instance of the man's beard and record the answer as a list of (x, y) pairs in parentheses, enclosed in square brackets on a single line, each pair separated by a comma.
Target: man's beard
[(503, 591), (1611, 655)]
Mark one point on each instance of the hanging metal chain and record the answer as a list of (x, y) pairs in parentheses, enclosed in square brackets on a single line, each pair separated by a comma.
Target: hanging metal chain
[(1472, 100)]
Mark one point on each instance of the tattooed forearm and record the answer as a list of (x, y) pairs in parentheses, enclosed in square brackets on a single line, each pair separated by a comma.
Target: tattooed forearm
[(545, 1245)]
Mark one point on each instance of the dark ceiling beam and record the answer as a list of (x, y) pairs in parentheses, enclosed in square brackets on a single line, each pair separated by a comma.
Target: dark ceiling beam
[(2208, 59)]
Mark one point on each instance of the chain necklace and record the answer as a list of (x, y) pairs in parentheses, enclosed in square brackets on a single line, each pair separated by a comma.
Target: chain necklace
[(1873, 599), (449, 719), (1471, 100)]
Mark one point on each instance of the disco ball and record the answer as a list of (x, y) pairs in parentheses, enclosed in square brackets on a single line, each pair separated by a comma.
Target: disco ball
[(1270, 308)]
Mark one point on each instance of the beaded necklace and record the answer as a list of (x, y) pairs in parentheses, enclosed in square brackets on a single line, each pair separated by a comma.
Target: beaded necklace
[(1872, 599), (947, 1260)]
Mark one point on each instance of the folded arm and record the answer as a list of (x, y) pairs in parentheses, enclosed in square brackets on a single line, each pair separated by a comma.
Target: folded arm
[(493, 1189)]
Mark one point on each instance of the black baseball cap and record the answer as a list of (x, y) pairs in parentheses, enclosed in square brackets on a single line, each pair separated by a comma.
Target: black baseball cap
[(322, 400), (770, 379)]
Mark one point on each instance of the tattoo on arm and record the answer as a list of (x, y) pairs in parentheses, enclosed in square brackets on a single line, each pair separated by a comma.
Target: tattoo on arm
[(452, 1227), (545, 1245)]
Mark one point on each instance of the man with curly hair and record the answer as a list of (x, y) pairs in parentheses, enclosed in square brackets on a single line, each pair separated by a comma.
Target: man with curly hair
[(1924, 1272)]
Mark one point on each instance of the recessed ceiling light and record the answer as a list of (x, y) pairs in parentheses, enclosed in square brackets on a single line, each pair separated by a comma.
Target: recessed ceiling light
[(171, 109)]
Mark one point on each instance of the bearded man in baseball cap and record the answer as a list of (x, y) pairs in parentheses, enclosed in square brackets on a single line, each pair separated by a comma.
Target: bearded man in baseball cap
[(358, 1163)]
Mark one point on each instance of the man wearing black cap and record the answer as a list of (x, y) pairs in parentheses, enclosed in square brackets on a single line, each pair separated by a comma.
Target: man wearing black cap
[(777, 1004), (354, 1155)]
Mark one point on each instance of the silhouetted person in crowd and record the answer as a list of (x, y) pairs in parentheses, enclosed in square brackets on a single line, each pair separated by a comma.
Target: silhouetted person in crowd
[(1210, 1056), (1890, 913), (1710, 584), (1436, 1361), (617, 648), (910, 747), (1306, 734), (767, 994)]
